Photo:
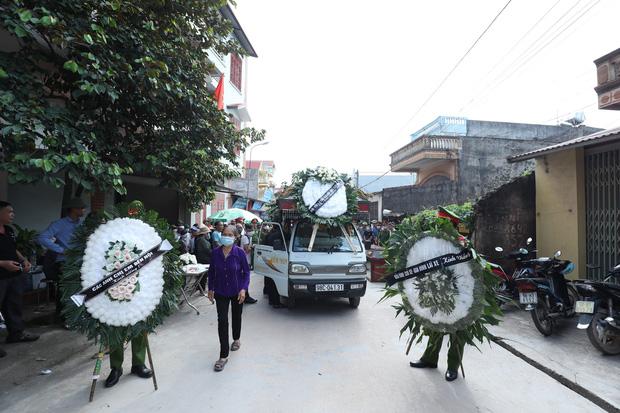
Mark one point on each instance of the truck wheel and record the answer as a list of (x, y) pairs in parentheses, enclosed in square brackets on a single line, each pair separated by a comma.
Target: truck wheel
[(290, 302), (354, 302)]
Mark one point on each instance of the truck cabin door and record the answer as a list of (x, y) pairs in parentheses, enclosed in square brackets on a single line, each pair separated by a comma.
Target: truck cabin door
[(271, 256)]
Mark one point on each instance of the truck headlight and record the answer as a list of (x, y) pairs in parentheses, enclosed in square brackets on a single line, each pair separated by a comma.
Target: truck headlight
[(299, 269), (357, 286), (358, 269)]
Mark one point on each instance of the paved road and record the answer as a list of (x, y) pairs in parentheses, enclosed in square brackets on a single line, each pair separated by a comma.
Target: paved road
[(321, 357)]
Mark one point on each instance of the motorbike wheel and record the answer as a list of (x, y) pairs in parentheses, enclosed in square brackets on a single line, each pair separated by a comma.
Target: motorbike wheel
[(606, 345), (573, 296), (540, 316)]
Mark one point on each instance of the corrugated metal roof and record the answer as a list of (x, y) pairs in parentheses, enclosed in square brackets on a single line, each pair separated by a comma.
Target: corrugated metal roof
[(592, 139)]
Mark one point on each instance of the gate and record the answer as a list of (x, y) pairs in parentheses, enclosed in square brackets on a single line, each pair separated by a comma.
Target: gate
[(602, 174)]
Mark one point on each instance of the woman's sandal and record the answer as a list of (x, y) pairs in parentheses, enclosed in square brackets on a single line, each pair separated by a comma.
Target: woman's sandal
[(235, 346), (219, 365)]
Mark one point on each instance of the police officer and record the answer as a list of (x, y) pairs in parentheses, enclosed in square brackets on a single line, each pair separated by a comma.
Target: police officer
[(138, 367)]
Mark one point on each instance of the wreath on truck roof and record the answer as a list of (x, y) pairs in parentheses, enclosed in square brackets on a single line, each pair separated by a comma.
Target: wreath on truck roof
[(106, 244), (323, 196), (453, 295)]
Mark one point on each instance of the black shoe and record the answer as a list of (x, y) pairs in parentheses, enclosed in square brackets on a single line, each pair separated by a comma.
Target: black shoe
[(22, 338), (278, 305), (142, 371), (250, 300), (112, 379), (2, 353), (421, 364), (452, 375)]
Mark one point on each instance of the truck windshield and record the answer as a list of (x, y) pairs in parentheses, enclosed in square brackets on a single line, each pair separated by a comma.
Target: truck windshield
[(327, 239)]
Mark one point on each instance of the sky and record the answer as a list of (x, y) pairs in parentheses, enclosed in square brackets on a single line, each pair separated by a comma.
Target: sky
[(337, 83)]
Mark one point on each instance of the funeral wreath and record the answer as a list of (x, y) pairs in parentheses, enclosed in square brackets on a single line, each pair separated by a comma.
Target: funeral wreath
[(122, 278)]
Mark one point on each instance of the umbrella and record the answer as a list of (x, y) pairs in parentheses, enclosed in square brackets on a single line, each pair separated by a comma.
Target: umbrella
[(227, 215)]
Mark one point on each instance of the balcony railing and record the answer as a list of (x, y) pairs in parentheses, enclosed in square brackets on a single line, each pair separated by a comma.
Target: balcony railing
[(426, 143)]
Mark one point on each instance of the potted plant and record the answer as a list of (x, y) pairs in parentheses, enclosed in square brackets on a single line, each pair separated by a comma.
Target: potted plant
[(27, 244)]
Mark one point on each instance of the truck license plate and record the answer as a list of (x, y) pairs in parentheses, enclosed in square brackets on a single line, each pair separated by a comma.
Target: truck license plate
[(584, 307), (329, 287), (528, 298)]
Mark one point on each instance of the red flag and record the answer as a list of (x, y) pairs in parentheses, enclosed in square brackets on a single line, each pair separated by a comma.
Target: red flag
[(219, 93)]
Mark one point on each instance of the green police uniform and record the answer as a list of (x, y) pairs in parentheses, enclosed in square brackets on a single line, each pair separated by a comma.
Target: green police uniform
[(455, 352), (138, 353)]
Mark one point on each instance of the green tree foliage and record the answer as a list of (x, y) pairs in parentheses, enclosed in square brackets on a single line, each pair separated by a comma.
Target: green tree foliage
[(91, 90)]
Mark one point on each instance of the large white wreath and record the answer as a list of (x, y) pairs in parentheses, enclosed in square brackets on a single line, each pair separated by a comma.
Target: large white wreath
[(133, 306), (460, 277), (334, 207)]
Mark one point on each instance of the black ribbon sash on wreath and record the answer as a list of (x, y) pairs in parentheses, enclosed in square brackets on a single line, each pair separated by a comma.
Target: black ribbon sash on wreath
[(119, 275), (326, 196), (431, 265)]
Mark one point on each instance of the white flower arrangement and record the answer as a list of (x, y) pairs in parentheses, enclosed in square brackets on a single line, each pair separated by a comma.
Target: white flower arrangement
[(462, 281), (119, 254), (188, 259), (334, 207), (113, 244)]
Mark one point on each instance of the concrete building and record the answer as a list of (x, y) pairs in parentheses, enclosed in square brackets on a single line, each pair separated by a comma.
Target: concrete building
[(234, 69), (457, 159), (578, 188)]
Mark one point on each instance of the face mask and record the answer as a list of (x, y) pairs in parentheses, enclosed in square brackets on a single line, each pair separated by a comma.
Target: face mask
[(227, 241)]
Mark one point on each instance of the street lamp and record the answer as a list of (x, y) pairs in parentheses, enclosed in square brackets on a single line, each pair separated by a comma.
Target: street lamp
[(247, 191)]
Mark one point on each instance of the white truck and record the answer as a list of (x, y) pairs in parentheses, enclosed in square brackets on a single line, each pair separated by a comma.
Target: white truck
[(306, 259)]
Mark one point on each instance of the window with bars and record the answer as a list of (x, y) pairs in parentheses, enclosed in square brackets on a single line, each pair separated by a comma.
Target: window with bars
[(236, 70)]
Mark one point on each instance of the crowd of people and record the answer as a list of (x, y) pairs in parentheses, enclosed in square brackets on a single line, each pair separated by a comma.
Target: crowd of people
[(376, 233)]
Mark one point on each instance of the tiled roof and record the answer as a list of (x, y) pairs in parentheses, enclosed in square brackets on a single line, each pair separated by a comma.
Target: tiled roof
[(592, 139)]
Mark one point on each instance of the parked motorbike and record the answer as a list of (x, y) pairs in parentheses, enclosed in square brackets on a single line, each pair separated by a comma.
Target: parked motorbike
[(599, 311), (507, 291), (548, 295)]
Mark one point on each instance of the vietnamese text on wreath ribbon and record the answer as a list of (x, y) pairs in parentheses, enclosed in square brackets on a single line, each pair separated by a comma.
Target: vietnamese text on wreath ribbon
[(433, 264), (326, 196), (119, 275)]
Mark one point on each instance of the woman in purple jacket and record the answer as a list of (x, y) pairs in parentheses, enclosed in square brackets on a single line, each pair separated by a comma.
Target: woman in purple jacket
[(229, 277)]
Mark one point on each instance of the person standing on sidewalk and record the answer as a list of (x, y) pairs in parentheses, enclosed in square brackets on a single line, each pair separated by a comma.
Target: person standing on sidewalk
[(57, 238), (229, 277), (12, 265), (216, 235)]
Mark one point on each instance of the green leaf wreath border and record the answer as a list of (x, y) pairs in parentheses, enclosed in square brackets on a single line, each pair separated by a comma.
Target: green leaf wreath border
[(486, 311)]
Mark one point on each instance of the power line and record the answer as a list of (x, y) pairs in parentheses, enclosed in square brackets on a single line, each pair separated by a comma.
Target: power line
[(499, 80), (375, 180), (575, 20), (514, 46), (443, 81)]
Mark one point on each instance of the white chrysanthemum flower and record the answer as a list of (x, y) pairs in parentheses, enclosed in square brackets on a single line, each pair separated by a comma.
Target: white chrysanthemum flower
[(135, 305), (334, 207)]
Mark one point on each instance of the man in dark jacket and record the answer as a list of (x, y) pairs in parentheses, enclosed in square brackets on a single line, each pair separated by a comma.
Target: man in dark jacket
[(202, 251), (202, 246), (12, 266)]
